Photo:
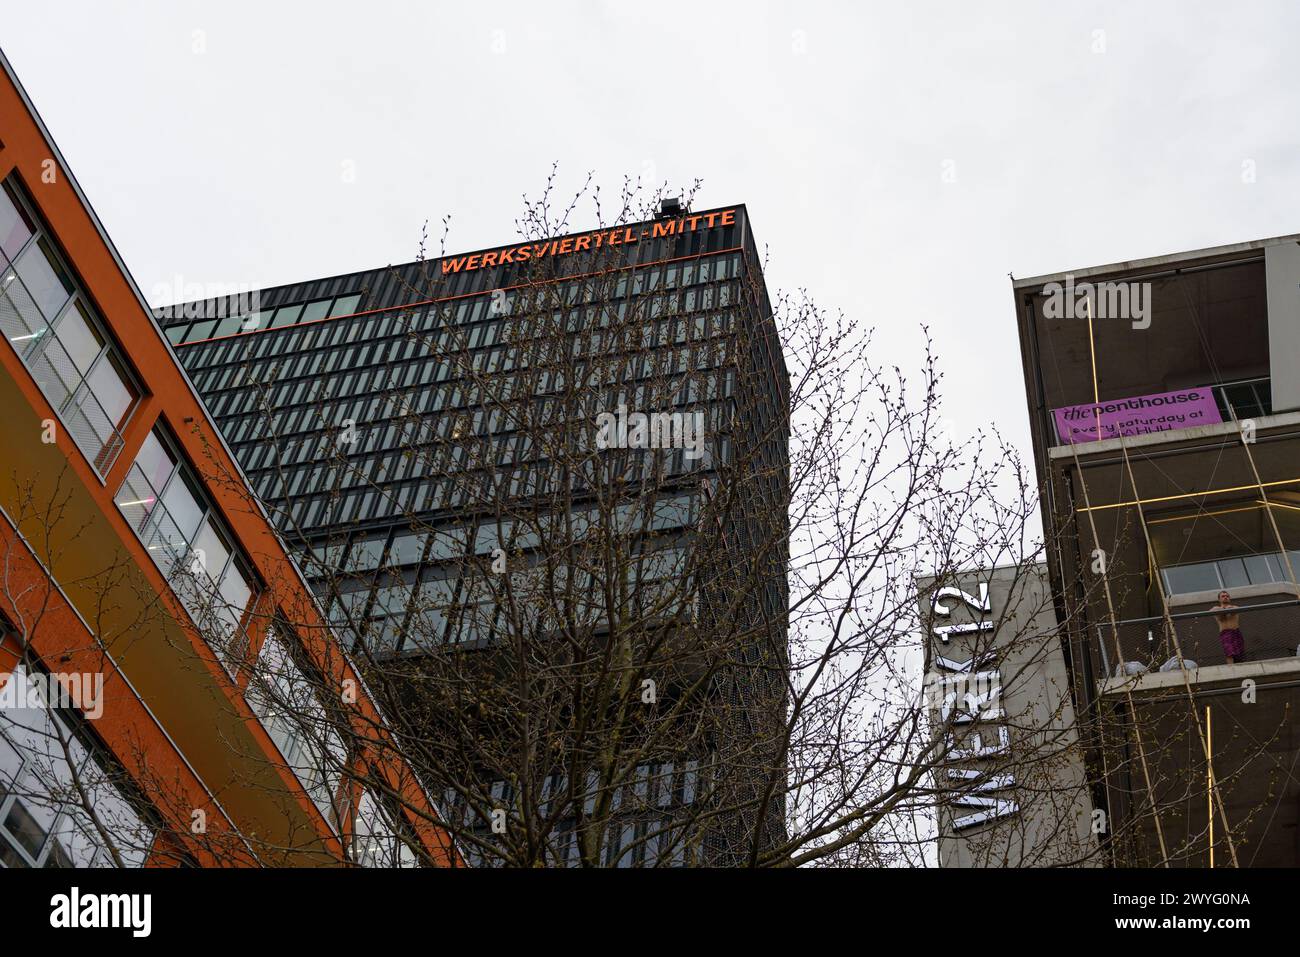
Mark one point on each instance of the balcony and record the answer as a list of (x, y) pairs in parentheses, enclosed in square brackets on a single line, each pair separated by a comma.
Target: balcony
[(1271, 631)]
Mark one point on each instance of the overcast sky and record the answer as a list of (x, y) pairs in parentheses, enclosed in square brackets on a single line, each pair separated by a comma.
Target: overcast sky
[(898, 159)]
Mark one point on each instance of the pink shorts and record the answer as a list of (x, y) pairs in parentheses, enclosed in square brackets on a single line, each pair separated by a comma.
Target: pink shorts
[(1234, 645)]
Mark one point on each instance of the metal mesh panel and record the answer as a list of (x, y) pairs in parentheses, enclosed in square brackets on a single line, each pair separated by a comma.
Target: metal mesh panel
[(55, 372), (1270, 631), (20, 320), (94, 431)]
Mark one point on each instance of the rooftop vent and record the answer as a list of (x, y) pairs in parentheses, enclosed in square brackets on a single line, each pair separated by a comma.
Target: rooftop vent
[(670, 207)]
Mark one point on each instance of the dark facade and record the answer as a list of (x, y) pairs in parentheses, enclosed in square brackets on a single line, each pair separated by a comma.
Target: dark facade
[(415, 429), (1164, 402)]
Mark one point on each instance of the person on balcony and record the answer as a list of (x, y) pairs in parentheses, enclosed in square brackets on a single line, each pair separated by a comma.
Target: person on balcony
[(1234, 645)]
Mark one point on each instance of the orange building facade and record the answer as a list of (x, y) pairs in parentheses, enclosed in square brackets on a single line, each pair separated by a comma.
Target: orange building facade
[(169, 693)]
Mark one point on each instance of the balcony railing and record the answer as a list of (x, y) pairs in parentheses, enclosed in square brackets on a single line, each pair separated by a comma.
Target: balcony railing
[(1245, 399), (1271, 631)]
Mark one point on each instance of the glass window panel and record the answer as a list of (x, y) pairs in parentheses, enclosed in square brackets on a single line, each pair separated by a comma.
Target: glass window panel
[(1265, 392), (1259, 569), (165, 543), (155, 461), (108, 384), (666, 563), (201, 330), (234, 595), (1233, 572), (15, 227), (674, 513), (210, 550), (133, 835), (229, 325), (426, 626), (258, 320), (236, 588), (406, 549), (392, 599), (55, 373), (286, 316), (79, 338), (28, 823), (176, 334), (376, 842), (1189, 578), (70, 846), (351, 604), (10, 762), (315, 310), (365, 555), (44, 278), (135, 498), (194, 591), (345, 305), (182, 502), (1242, 399)]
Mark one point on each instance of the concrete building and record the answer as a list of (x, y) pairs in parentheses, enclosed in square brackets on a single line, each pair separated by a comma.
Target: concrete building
[(1010, 772), (1164, 404)]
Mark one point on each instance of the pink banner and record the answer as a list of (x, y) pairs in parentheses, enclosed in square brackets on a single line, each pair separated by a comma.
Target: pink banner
[(1140, 415)]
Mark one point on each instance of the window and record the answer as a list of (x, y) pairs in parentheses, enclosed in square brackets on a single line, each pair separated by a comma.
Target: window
[(286, 316), (52, 327), (407, 549), (45, 279), (1262, 569), (365, 555), (15, 226), (163, 501), (345, 305), (1190, 578), (202, 330), (43, 820), (315, 310), (376, 841), (288, 706), (229, 326)]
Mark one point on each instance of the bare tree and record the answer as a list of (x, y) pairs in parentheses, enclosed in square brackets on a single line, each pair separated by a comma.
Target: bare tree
[(660, 604), (653, 600)]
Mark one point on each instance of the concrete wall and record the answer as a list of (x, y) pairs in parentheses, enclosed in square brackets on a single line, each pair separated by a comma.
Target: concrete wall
[(1027, 775), (1282, 276)]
